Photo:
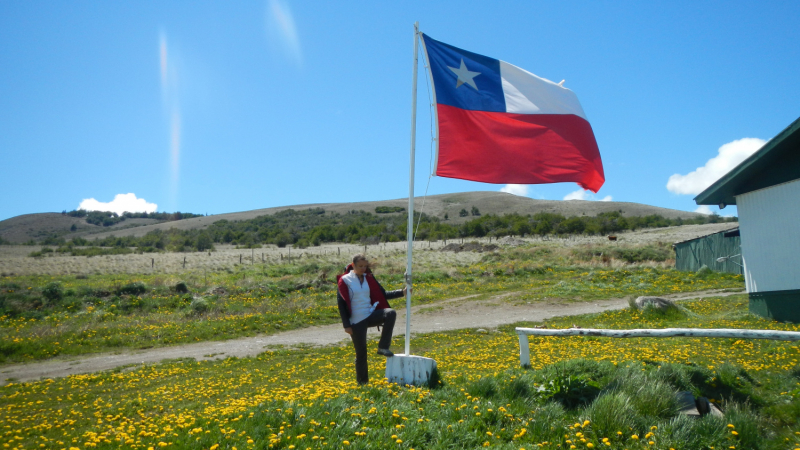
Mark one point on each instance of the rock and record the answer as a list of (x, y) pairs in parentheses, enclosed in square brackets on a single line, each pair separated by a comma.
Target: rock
[(481, 331), (703, 405), (696, 407), (655, 302), (687, 404)]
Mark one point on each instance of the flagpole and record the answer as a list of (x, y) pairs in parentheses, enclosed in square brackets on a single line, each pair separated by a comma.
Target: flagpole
[(410, 231)]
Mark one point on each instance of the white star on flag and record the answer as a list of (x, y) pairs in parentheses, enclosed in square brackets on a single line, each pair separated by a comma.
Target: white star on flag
[(464, 75)]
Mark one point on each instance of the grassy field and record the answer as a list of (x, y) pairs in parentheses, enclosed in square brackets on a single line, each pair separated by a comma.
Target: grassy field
[(579, 393), (42, 316)]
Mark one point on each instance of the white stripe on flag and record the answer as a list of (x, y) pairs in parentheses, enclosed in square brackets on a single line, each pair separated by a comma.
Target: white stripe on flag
[(525, 93)]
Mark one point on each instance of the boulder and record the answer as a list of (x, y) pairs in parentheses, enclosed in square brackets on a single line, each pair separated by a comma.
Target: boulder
[(654, 302), (696, 407)]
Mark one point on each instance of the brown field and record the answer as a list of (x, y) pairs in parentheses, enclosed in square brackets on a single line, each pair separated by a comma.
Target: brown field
[(14, 259)]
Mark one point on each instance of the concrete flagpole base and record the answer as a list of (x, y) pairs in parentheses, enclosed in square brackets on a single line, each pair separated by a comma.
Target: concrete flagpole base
[(409, 369)]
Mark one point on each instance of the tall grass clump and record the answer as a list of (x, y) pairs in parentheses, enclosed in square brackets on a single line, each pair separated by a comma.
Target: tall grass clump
[(650, 397)]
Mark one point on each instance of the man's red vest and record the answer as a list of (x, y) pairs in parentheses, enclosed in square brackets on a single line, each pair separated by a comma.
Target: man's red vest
[(375, 291)]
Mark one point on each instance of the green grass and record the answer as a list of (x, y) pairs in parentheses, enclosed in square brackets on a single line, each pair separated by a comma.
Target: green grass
[(46, 316), (578, 392)]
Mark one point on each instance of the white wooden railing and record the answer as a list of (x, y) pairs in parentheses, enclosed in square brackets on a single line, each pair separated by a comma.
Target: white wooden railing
[(524, 350)]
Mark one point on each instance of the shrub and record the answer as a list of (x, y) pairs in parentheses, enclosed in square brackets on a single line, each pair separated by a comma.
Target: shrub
[(612, 412), (204, 242), (135, 288), (650, 396), (388, 209), (53, 291), (704, 271), (199, 305)]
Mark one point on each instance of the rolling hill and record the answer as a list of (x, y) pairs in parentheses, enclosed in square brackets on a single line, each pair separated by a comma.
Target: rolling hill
[(20, 229)]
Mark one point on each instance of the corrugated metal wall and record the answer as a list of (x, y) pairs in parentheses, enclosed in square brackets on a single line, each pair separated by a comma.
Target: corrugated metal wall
[(692, 255), (769, 223)]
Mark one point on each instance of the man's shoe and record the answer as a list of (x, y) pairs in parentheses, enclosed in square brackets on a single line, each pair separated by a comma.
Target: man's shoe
[(385, 352)]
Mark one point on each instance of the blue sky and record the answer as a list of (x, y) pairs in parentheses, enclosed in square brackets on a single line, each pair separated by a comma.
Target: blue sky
[(213, 107)]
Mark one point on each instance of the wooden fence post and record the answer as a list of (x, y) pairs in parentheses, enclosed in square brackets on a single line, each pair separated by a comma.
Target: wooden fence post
[(524, 350)]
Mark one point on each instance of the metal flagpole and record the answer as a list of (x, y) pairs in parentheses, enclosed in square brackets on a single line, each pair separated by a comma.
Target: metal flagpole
[(410, 231)]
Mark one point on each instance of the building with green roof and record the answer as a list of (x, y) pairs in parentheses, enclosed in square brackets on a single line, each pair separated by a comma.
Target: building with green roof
[(766, 190)]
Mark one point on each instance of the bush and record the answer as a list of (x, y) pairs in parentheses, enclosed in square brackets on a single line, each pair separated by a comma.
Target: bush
[(135, 288), (199, 305), (388, 209), (650, 396), (612, 412), (53, 291), (704, 271)]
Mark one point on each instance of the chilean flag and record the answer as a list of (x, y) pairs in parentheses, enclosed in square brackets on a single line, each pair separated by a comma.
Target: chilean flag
[(498, 123)]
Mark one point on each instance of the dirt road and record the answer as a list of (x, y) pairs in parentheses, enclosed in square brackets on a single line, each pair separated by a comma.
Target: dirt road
[(441, 316)]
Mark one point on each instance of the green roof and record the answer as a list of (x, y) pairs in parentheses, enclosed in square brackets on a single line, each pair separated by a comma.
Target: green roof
[(778, 161)]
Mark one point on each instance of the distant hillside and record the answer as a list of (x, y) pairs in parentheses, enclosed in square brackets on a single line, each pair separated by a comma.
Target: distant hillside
[(23, 228)]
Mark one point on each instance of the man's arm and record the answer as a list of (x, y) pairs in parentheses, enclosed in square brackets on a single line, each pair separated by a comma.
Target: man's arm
[(393, 294), (343, 312)]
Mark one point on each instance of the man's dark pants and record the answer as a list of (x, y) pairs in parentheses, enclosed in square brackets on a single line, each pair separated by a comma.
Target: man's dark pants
[(384, 317)]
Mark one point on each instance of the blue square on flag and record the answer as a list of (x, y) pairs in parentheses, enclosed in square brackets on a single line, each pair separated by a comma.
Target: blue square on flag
[(466, 80)]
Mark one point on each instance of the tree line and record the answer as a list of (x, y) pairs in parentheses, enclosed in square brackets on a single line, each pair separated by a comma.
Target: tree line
[(315, 226), (108, 218)]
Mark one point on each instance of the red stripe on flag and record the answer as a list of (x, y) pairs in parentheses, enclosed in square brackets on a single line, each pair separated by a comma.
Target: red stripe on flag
[(494, 147)]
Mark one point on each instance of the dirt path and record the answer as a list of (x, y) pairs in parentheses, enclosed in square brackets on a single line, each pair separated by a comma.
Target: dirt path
[(441, 316)]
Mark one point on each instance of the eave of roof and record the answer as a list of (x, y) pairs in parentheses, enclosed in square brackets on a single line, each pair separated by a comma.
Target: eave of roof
[(739, 179), (704, 236)]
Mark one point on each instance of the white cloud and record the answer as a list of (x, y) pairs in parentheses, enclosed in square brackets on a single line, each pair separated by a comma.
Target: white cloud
[(516, 189), (282, 30), (580, 194), (703, 209), (120, 204), (728, 157)]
